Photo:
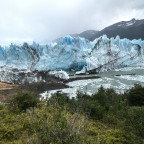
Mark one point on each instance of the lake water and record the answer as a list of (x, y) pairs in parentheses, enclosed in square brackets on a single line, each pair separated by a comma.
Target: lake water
[(126, 79)]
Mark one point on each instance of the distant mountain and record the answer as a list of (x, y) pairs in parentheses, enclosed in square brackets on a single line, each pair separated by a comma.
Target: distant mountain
[(89, 34), (133, 29)]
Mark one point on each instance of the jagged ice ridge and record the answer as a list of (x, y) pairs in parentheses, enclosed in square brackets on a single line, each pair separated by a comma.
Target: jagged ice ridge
[(78, 54)]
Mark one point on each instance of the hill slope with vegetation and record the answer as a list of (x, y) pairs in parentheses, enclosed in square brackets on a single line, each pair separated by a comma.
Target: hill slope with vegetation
[(103, 118)]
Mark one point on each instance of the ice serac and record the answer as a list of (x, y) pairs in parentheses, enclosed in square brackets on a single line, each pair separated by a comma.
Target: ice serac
[(70, 53), (60, 74), (19, 56), (66, 53), (108, 54)]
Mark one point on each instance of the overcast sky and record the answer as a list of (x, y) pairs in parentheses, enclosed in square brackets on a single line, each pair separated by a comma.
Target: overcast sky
[(39, 20)]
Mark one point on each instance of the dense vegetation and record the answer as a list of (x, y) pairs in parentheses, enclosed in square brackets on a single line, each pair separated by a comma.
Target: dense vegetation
[(103, 118)]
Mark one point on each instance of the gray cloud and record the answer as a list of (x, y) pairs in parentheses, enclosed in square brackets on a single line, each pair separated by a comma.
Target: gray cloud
[(49, 19)]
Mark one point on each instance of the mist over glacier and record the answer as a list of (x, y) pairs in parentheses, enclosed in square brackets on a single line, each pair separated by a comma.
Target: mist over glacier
[(70, 53)]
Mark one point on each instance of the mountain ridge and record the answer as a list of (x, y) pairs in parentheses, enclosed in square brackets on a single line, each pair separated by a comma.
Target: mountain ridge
[(133, 29)]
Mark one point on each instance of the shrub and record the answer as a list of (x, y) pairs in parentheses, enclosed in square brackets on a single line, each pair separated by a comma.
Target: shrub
[(52, 125), (96, 105), (135, 120), (1, 106), (112, 96), (135, 96), (23, 100), (58, 100), (101, 96), (62, 101)]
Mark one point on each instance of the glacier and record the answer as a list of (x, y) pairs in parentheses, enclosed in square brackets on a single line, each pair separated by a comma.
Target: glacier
[(67, 53), (74, 54)]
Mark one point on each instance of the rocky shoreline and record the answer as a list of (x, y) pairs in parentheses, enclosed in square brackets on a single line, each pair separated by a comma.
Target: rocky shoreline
[(8, 89)]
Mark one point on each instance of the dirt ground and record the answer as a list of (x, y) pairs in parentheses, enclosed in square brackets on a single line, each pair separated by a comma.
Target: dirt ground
[(6, 91), (6, 86)]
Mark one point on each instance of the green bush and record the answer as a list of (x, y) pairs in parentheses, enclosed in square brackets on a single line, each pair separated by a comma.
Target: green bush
[(51, 125), (135, 96), (1, 106), (96, 105), (22, 101), (101, 97), (112, 96), (135, 120)]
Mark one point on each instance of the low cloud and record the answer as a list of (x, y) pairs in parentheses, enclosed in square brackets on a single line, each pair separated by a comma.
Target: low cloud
[(49, 19)]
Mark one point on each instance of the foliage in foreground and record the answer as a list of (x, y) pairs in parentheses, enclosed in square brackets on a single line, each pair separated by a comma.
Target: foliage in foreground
[(103, 118), (22, 101)]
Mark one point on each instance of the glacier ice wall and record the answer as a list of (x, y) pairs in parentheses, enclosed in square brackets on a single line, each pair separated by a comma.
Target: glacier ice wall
[(66, 53), (70, 53), (108, 54)]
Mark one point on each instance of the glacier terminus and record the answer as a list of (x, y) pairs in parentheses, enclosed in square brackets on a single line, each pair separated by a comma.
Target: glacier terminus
[(73, 54)]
